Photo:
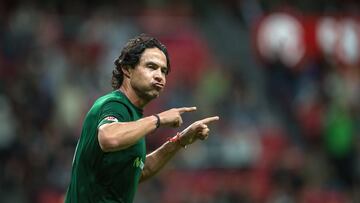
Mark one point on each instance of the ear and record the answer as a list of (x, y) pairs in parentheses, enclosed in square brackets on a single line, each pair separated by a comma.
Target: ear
[(126, 71)]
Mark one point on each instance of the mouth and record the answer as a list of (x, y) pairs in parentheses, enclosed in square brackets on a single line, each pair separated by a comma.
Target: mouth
[(158, 86)]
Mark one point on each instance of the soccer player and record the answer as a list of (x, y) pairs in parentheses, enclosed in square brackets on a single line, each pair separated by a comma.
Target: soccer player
[(110, 158)]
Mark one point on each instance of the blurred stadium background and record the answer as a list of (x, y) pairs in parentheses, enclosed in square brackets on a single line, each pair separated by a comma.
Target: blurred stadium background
[(284, 77)]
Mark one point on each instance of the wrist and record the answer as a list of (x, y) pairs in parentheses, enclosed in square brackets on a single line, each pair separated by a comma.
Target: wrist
[(176, 140), (158, 122)]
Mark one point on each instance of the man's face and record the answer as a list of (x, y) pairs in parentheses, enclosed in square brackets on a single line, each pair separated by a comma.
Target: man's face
[(148, 78)]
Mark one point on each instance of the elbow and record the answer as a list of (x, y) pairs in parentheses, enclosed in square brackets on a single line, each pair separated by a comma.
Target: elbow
[(144, 175), (106, 141)]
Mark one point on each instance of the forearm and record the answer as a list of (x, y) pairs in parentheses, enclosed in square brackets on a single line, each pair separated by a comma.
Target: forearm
[(156, 160), (117, 136)]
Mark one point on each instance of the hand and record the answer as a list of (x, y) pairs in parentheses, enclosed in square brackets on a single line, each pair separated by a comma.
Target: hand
[(172, 117), (197, 130)]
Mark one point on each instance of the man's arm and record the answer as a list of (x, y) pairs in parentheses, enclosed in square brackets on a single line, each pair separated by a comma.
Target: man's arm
[(121, 135), (156, 160)]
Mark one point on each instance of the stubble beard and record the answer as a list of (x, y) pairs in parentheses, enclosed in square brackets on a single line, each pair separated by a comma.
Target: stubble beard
[(146, 94)]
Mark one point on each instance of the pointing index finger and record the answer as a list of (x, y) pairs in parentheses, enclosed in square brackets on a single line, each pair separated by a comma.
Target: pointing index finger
[(209, 119), (187, 109)]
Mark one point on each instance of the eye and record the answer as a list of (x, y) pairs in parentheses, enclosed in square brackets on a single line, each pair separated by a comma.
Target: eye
[(164, 71), (152, 66)]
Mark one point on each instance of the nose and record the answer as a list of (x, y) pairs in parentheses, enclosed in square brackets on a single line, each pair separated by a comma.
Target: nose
[(158, 76)]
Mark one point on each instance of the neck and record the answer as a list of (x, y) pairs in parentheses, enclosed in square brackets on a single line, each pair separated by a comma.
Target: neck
[(132, 96)]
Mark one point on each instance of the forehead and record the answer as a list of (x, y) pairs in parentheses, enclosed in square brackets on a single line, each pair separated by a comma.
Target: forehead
[(154, 55)]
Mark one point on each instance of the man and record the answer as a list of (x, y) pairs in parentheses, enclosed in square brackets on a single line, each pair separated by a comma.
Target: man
[(109, 159)]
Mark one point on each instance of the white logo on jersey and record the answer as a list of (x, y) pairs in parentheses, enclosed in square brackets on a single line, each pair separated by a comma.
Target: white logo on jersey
[(111, 118)]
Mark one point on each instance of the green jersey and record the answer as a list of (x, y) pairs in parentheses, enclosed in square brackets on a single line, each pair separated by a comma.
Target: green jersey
[(99, 176)]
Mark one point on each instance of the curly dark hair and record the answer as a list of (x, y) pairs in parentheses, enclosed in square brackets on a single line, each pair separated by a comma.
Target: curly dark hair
[(130, 56)]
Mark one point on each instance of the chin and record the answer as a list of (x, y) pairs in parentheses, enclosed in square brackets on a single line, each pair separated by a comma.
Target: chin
[(155, 95), (151, 95)]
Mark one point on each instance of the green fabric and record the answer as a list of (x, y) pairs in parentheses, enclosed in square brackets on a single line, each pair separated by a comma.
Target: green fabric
[(106, 177)]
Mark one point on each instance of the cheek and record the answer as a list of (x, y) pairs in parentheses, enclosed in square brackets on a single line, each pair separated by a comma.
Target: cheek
[(143, 78)]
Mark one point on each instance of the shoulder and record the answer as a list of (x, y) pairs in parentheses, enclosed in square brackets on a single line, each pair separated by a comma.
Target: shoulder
[(110, 97), (108, 104), (117, 103)]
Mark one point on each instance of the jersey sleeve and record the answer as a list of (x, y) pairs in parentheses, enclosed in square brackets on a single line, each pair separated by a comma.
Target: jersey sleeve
[(113, 112)]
